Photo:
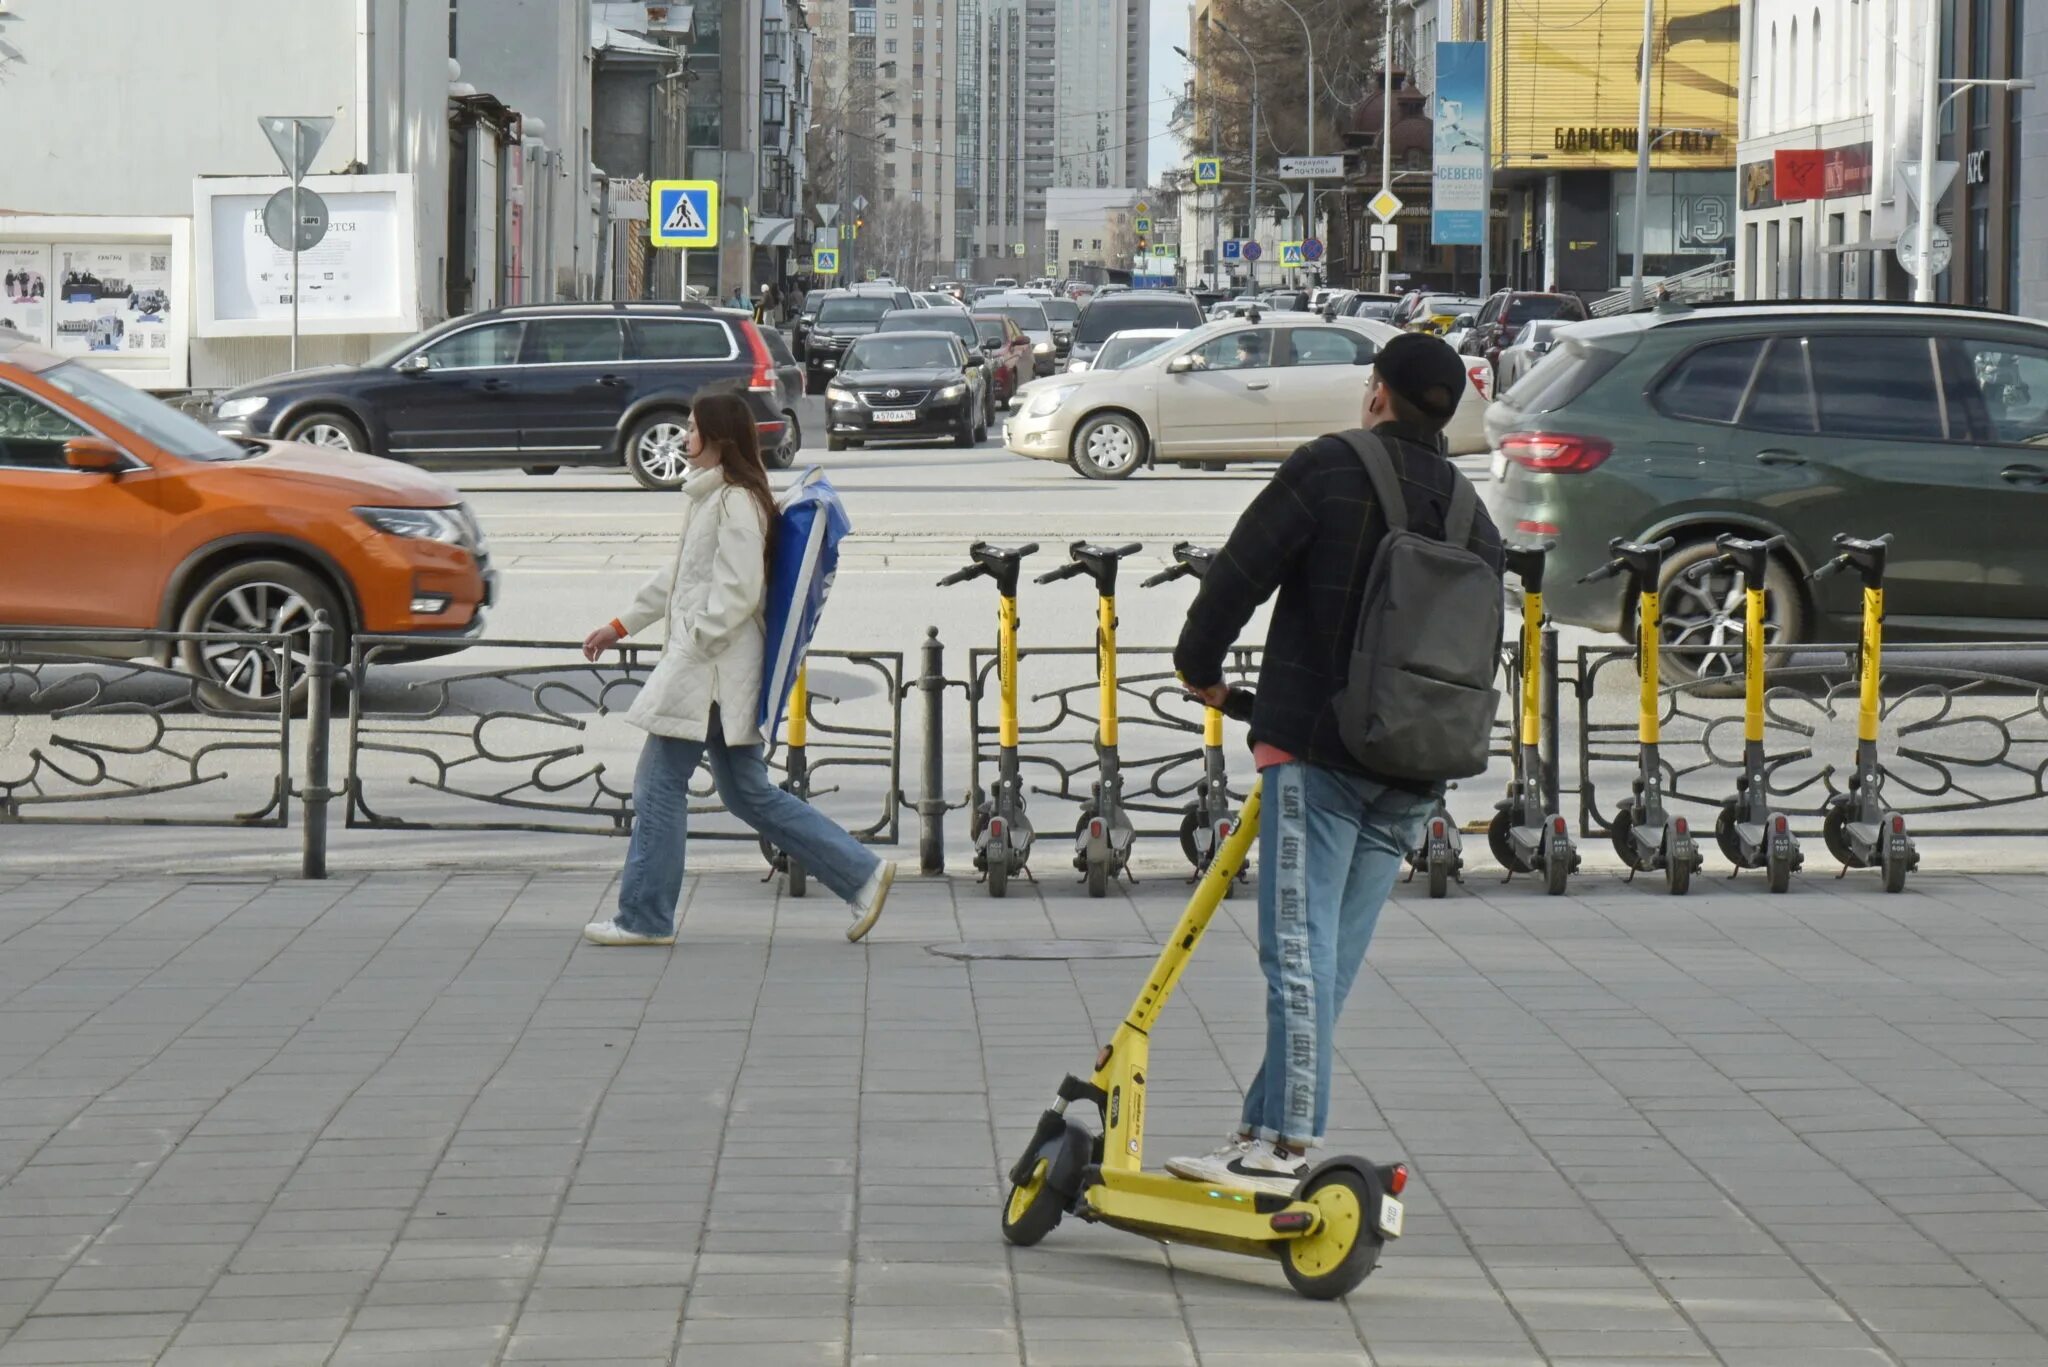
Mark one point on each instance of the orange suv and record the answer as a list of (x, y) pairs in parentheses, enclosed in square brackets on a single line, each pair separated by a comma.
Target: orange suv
[(117, 510)]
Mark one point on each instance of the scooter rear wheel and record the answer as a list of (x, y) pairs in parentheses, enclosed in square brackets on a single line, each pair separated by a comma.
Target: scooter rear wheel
[(1678, 863), (1779, 870), (1896, 867), (1344, 1250), (998, 872), (1558, 861), (1439, 871)]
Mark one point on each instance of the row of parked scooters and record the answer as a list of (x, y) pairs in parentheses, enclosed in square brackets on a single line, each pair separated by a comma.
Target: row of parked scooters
[(1524, 835)]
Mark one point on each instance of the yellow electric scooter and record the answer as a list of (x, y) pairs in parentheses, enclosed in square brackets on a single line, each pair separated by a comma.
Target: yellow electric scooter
[(1857, 827), (1326, 1237), (1002, 833)]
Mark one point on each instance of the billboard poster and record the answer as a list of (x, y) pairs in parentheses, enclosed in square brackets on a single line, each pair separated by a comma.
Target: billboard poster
[(112, 301), (1457, 206), (25, 302), (351, 274), (1566, 81)]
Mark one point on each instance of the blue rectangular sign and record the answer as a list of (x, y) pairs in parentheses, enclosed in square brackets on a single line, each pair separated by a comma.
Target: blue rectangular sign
[(1232, 248), (1457, 207)]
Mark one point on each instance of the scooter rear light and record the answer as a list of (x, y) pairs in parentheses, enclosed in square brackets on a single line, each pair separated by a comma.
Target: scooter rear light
[(1095, 829), (1552, 453), (1535, 528), (1557, 825), (1102, 1058), (1783, 825), (1679, 824), (1898, 825), (1436, 828), (1397, 1180), (1293, 1221)]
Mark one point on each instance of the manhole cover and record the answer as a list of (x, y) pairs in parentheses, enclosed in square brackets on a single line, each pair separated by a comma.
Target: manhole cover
[(1046, 949)]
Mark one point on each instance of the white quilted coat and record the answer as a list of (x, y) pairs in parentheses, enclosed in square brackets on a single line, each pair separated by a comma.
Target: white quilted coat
[(710, 597)]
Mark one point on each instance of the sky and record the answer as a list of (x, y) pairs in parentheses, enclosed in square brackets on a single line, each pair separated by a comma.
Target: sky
[(1169, 74)]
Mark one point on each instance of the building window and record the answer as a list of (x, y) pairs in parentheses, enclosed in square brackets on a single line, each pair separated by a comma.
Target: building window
[(889, 46), (888, 21)]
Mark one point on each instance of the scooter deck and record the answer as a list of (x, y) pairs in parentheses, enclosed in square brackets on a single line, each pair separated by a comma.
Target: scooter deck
[(1162, 1206)]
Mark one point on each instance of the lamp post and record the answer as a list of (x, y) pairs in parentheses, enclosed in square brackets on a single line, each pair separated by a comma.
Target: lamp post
[(1308, 114), (1387, 128), (1252, 148), (1643, 145), (1216, 193), (1932, 113)]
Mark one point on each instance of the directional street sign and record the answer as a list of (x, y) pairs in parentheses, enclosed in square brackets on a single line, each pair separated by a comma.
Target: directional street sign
[(1384, 205), (1208, 170), (1233, 249), (1253, 251), (312, 220), (1311, 168), (1312, 250), (296, 140), (683, 213), (824, 261), (826, 213)]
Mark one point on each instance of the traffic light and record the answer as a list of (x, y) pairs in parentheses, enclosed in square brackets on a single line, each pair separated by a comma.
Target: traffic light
[(858, 224)]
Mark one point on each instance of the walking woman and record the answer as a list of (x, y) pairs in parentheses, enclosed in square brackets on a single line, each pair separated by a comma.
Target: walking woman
[(703, 696)]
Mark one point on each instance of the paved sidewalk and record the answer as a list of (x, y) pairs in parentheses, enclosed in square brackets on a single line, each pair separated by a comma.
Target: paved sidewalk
[(409, 1118)]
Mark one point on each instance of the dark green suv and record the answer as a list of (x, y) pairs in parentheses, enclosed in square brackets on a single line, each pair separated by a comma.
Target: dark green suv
[(1805, 419)]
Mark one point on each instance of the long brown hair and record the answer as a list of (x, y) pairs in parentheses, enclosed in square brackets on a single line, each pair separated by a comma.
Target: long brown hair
[(727, 425)]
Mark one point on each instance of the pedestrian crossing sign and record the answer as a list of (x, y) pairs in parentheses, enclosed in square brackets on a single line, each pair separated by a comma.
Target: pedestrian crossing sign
[(1290, 253), (1208, 170), (683, 213), (824, 261)]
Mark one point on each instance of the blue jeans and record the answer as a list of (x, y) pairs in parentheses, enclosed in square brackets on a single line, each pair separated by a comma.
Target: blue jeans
[(653, 879), (1330, 846)]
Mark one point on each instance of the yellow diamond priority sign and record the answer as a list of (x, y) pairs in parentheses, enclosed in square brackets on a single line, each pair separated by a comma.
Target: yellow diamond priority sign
[(1385, 205)]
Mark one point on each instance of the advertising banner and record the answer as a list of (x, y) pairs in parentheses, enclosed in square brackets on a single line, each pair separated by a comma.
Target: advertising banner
[(1457, 211), (352, 273), (1566, 80), (112, 300), (25, 302)]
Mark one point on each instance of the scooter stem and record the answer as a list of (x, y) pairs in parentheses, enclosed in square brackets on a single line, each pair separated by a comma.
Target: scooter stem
[(1753, 663), (1649, 634), (1006, 666), (1105, 667), (1187, 934), (1869, 704)]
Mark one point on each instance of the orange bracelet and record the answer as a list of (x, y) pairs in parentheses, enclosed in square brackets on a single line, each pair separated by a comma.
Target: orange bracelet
[(619, 627)]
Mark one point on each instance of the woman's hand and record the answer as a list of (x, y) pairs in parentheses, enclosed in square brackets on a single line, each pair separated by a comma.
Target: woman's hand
[(601, 640)]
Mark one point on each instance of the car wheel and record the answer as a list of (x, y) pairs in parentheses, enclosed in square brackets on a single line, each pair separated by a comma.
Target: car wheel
[(657, 450), (785, 452), (835, 443), (257, 598), (332, 431), (1702, 606), (1109, 446)]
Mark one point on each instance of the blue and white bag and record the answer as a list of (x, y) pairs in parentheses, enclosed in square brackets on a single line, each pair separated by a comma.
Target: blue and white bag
[(810, 522)]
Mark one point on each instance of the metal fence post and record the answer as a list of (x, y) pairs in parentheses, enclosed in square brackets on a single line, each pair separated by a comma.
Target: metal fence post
[(319, 698), (1552, 787), (931, 803)]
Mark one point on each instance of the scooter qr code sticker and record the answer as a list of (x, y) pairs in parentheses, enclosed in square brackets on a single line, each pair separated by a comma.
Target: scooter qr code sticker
[(1392, 1213)]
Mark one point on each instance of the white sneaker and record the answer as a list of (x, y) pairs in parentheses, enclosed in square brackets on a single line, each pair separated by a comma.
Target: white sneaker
[(1262, 1168), (612, 933), (868, 909), (1211, 1167)]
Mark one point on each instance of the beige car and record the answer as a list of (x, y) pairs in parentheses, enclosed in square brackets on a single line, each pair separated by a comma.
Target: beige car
[(1238, 389)]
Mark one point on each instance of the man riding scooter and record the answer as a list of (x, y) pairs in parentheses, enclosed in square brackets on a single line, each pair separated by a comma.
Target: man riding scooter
[(1336, 828)]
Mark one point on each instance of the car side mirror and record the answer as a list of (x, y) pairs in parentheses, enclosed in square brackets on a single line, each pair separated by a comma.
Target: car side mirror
[(94, 455), (1181, 365), (415, 364), (975, 360), (1465, 320)]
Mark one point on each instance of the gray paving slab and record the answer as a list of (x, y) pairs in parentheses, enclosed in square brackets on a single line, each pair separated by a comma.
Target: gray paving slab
[(408, 1117)]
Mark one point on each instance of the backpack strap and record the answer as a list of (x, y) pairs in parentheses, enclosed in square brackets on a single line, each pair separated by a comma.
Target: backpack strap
[(1379, 468), (1463, 513)]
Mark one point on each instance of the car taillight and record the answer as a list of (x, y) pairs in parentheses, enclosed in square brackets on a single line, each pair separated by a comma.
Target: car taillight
[(1481, 374), (763, 379), (1551, 454)]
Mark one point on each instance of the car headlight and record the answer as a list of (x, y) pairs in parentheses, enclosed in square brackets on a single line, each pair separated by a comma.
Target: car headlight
[(240, 408), (834, 394), (1047, 402), (421, 524), (1076, 367), (951, 391), (1042, 348)]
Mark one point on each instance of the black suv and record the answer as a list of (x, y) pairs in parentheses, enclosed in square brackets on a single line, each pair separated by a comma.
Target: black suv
[(537, 386), (842, 317), (1108, 314), (1501, 321)]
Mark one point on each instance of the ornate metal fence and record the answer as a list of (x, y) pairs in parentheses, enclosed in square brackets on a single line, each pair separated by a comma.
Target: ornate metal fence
[(94, 730), (1965, 734), (541, 744)]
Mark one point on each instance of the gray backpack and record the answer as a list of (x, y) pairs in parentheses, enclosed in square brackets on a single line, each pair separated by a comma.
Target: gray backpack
[(1420, 698)]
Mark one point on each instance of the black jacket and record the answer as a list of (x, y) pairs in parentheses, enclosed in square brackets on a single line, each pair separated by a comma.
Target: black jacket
[(1312, 533)]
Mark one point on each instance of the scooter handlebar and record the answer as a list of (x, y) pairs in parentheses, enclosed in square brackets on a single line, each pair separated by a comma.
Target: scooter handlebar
[(1167, 575), (962, 576), (1066, 571)]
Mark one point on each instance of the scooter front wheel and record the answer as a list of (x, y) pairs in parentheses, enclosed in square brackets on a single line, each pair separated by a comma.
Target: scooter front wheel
[(1622, 830), (1033, 1210), (1502, 845), (1345, 1247), (1727, 837), (1834, 832)]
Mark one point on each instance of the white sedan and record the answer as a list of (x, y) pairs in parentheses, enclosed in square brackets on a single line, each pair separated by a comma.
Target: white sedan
[(1232, 390)]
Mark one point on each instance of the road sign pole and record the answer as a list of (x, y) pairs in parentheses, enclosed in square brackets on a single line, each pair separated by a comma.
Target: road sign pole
[(683, 275), (296, 158)]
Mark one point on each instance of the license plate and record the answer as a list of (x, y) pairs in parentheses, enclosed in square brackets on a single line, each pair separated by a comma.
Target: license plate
[(896, 415), (1500, 466), (1392, 1213)]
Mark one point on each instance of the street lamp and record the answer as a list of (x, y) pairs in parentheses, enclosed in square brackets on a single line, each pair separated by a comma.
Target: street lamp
[(1635, 289), (1252, 148), (1308, 115), (1216, 194), (1930, 121)]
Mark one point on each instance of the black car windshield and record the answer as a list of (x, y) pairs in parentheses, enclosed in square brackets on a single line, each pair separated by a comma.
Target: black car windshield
[(1061, 310), (1030, 317), (901, 353), (851, 310), (1098, 321), (154, 420), (933, 320), (1523, 308)]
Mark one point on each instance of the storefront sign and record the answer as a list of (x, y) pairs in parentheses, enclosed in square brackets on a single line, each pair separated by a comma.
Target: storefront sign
[(1691, 141), (1796, 174), (1843, 172)]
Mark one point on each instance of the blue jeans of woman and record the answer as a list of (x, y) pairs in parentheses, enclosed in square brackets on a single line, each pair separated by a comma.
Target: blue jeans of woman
[(1330, 846), (653, 880)]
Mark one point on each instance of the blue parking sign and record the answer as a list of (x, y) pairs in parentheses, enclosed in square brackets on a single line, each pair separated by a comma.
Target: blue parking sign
[(683, 213), (1233, 250)]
